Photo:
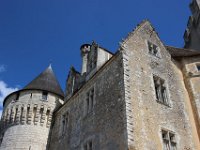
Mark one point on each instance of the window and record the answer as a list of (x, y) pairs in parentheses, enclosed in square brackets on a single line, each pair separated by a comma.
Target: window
[(168, 139), (65, 121), (17, 96), (88, 146), (160, 90), (44, 95), (153, 49), (90, 100), (198, 67), (1, 138)]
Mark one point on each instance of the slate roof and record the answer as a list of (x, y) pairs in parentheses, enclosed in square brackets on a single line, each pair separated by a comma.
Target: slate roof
[(46, 81), (182, 52)]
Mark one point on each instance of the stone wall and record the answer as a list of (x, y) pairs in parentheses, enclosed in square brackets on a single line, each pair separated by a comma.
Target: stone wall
[(192, 80), (149, 115), (105, 124), (26, 120)]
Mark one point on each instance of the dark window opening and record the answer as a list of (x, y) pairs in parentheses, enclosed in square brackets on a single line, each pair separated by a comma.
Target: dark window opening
[(65, 122), (90, 100), (17, 96), (153, 49), (44, 95), (198, 67), (88, 146), (160, 90), (169, 140)]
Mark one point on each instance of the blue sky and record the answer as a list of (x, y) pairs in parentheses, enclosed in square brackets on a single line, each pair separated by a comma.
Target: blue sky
[(35, 33)]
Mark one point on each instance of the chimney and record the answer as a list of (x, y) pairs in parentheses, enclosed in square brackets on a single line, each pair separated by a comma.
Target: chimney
[(85, 49)]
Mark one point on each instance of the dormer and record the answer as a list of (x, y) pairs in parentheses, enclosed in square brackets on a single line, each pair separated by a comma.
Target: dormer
[(73, 82)]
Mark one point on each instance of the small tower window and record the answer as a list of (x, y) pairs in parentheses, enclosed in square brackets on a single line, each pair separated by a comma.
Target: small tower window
[(17, 96), (44, 95), (198, 67), (160, 90)]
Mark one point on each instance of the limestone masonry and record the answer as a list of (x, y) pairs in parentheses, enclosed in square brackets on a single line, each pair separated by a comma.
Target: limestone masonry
[(146, 96)]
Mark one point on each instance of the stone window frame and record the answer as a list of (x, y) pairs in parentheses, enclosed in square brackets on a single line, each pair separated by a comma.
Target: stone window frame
[(89, 100), (88, 144), (44, 96), (152, 51), (169, 139), (162, 101), (198, 67), (64, 123)]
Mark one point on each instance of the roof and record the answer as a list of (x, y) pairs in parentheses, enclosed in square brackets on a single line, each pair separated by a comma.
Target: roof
[(46, 81), (182, 52)]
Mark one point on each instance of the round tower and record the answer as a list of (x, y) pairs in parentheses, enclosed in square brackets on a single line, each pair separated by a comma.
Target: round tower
[(27, 113)]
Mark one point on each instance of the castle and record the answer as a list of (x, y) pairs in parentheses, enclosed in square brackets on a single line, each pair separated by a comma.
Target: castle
[(143, 97)]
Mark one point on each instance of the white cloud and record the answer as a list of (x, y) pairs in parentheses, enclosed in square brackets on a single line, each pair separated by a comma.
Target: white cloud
[(2, 68), (4, 91)]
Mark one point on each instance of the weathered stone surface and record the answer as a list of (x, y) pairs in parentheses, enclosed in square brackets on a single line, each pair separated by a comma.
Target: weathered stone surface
[(27, 126), (105, 124)]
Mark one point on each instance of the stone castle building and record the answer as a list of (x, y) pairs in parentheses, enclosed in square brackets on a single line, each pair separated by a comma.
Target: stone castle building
[(143, 97)]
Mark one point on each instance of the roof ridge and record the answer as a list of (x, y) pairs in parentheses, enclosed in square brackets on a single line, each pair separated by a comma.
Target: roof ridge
[(124, 40)]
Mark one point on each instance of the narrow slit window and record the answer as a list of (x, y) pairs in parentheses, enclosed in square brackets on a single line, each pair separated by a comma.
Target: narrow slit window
[(17, 96), (90, 100), (16, 111), (65, 123)]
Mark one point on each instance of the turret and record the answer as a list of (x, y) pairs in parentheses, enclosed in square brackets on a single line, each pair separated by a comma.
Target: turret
[(27, 113)]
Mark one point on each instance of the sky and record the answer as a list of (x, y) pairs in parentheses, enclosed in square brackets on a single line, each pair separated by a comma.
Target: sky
[(35, 33)]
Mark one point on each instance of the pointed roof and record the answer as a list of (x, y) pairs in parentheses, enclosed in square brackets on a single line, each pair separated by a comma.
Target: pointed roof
[(46, 81)]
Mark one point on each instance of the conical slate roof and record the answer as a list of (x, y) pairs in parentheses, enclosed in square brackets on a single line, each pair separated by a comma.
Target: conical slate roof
[(46, 81)]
